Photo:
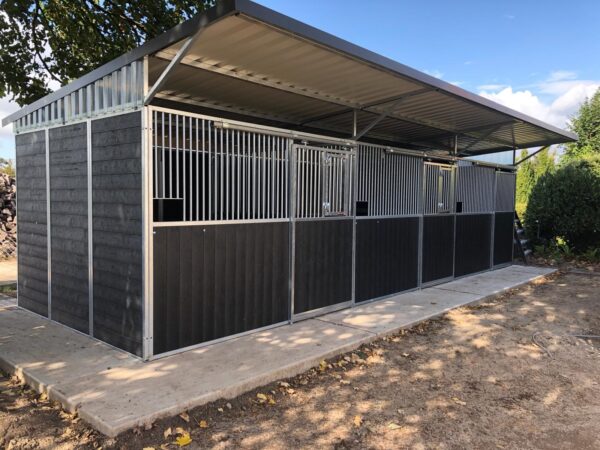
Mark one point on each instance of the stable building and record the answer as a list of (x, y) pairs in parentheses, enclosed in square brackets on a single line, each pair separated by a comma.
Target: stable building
[(245, 170)]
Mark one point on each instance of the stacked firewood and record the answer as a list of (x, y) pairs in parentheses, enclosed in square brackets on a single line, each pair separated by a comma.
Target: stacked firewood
[(8, 216)]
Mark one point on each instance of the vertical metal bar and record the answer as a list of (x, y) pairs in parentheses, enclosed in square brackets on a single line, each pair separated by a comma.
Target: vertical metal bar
[(245, 187), (209, 186), (48, 224), (155, 155), (199, 177), (292, 182), (164, 161), (254, 177), (177, 148), (170, 157), (221, 178), (264, 178), (238, 179), (184, 171), (90, 225), (226, 216)]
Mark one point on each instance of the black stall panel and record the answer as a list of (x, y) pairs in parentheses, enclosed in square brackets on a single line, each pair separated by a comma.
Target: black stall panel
[(387, 256), (473, 243), (438, 247), (323, 264), (503, 237), (218, 280)]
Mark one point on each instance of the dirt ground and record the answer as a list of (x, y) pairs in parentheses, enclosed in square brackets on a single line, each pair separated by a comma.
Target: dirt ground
[(505, 374)]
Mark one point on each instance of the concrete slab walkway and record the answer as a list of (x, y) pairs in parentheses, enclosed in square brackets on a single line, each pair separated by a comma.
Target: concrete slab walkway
[(114, 391)]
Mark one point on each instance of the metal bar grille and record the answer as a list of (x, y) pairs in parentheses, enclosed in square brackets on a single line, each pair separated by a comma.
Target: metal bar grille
[(323, 177), (505, 191), (203, 172), (439, 181), (475, 188), (389, 183)]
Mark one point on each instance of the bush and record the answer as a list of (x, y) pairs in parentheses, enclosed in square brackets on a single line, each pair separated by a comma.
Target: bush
[(566, 203)]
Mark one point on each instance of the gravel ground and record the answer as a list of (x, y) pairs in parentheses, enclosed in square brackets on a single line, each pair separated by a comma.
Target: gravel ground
[(505, 374)]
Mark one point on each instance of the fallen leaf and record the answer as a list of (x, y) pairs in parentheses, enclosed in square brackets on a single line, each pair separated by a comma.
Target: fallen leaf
[(358, 421), (148, 448), (228, 405), (203, 424), (271, 400), (261, 397), (290, 391), (168, 432), (322, 365), (183, 440), (458, 401), (185, 416), (406, 355), (394, 426), (180, 430), (220, 409), (284, 384), (344, 382)]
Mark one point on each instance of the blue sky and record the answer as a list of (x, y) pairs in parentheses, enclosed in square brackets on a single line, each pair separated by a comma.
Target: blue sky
[(537, 57)]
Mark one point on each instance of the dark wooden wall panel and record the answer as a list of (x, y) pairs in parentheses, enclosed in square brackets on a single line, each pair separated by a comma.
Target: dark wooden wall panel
[(32, 232), (503, 237), (438, 247), (323, 264), (218, 280), (473, 243), (117, 231), (387, 256), (68, 226)]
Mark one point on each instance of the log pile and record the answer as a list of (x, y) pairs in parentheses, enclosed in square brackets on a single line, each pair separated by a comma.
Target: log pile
[(8, 216)]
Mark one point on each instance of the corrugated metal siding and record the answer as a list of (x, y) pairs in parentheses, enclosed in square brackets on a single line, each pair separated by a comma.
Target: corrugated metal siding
[(69, 226), (32, 231), (118, 91), (438, 247), (473, 243), (390, 183), (117, 230), (503, 237), (505, 191), (323, 264), (218, 280), (387, 256), (475, 188)]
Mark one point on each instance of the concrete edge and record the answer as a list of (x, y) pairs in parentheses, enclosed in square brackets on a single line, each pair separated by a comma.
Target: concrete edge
[(246, 385)]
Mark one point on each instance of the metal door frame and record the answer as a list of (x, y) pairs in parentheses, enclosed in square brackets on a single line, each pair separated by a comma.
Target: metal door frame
[(348, 186), (452, 168)]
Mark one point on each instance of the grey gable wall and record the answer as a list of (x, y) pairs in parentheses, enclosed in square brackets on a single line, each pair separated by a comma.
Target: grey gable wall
[(32, 224), (68, 225), (117, 230), (116, 227)]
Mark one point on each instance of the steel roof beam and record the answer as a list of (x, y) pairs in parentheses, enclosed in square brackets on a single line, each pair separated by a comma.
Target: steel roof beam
[(162, 79)]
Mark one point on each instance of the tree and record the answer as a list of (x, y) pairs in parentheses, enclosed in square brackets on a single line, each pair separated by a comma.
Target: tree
[(529, 173), (566, 204), (587, 126), (60, 40), (7, 167)]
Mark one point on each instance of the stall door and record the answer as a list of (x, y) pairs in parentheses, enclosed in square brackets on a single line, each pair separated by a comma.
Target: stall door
[(322, 230), (438, 224)]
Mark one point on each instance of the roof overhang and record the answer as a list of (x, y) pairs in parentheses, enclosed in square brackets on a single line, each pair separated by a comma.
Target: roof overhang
[(245, 59)]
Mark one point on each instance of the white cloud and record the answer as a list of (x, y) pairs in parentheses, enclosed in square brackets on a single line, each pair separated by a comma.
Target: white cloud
[(491, 87), (434, 73), (565, 92)]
